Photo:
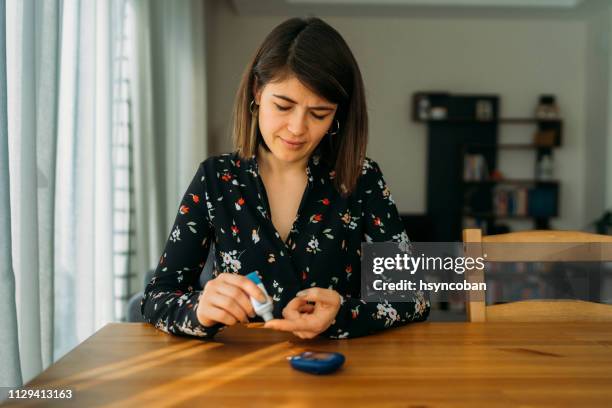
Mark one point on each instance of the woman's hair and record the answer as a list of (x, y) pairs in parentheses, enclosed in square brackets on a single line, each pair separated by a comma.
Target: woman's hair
[(317, 55)]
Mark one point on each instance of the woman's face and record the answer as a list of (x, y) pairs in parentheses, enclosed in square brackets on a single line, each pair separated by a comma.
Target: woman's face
[(292, 119)]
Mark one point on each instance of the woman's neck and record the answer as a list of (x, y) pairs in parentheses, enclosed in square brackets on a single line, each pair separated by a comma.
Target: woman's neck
[(271, 166)]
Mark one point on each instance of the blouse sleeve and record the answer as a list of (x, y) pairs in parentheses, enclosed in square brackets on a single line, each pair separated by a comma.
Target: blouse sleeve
[(382, 223), (170, 300)]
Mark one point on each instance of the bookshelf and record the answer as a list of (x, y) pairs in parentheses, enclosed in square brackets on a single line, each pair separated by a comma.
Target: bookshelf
[(464, 186)]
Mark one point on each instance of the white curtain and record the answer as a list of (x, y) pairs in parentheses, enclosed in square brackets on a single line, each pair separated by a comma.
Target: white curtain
[(169, 100), (66, 88), (56, 180), (10, 373), (32, 64), (84, 198)]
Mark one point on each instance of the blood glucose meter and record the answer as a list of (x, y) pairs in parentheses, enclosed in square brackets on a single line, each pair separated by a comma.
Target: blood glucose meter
[(317, 362)]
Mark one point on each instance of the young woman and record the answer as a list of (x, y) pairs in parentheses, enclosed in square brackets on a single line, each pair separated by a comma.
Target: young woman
[(293, 202)]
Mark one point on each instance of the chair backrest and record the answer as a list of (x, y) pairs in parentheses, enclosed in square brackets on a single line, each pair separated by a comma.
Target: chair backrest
[(564, 250)]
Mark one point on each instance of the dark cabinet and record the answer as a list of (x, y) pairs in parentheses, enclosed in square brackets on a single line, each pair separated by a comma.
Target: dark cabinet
[(464, 186)]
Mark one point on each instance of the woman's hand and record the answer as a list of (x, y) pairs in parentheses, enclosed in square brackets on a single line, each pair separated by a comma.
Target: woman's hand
[(225, 299), (310, 313)]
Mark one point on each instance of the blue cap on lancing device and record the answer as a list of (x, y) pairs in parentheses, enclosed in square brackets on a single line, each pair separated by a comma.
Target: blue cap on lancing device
[(261, 309), (254, 276)]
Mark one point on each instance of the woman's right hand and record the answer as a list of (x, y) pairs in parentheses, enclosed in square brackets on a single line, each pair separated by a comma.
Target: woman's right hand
[(225, 299)]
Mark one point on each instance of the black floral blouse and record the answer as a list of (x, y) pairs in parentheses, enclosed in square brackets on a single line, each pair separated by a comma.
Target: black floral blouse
[(227, 202)]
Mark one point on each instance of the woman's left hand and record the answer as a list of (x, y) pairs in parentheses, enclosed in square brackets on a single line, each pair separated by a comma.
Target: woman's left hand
[(310, 313)]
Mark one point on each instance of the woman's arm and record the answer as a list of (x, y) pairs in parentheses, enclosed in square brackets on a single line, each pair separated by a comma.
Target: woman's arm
[(382, 223), (170, 300)]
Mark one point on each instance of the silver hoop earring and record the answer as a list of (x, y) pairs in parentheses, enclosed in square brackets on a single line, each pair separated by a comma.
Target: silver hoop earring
[(253, 107), (337, 129)]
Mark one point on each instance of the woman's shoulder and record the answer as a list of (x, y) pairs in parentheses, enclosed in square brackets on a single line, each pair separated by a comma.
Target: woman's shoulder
[(370, 172), (371, 182), (224, 162), (369, 167), (371, 177)]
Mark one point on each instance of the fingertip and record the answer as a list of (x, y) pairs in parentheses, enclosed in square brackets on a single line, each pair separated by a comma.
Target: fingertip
[(262, 294), (257, 293)]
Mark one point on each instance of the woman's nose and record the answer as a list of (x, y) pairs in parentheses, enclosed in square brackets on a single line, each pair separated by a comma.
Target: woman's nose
[(297, 123)]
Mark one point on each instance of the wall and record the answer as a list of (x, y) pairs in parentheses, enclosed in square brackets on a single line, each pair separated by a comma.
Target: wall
[(607, 56), (597, 175), (518, 58)]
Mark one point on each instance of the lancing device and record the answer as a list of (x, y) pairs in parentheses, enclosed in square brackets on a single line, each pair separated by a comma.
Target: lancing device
[(264, 310)]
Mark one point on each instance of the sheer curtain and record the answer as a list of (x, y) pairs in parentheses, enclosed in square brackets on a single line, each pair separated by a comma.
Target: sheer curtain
[(102, 125), (169, 113), (84, 198), (56, 100), (31, 36), (10, 373)]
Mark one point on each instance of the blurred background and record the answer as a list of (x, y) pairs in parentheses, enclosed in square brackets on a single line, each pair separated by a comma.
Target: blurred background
[(488, 113)]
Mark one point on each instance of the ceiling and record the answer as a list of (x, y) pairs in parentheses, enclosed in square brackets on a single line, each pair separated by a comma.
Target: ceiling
[(447, 3), (419, 8)]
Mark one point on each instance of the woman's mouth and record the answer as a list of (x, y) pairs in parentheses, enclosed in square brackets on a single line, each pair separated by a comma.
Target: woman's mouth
[(292, 145)]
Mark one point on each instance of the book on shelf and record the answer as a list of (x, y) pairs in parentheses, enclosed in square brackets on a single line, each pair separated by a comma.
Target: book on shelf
[(510, 201), (475, 168)]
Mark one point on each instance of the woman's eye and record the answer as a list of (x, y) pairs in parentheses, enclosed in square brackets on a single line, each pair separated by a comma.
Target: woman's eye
[(286, 108), (319, 117), (282, 108)]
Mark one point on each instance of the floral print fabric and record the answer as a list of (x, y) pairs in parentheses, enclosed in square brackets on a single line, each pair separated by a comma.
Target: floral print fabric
[(226, 203)]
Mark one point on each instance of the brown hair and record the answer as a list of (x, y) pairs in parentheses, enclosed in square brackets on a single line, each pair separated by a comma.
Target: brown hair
[(317, 55)]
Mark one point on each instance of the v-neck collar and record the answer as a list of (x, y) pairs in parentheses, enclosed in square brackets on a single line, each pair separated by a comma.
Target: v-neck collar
[(314, 174)]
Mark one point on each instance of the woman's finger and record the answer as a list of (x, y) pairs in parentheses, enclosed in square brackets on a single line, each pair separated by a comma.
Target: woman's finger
[(239, 297), (228, 304), (306, 322), (245, 284), (291, 311), (220, 316), (307, 308), (318, 295), (284, 325), (305, 334)]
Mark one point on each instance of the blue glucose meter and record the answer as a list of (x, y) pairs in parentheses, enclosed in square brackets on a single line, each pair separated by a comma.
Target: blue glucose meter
[(317, 362)]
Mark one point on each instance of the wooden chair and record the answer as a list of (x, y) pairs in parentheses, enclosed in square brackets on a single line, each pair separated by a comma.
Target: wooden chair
[(536, 310)]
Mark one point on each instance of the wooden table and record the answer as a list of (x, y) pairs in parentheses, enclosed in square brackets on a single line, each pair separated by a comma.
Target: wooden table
[(426, 364)]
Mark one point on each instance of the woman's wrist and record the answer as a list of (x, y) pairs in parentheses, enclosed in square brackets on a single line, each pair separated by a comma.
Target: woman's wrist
[(338, 310)]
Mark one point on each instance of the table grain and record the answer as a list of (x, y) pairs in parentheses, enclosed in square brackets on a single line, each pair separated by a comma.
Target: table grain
[(419, 365)]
